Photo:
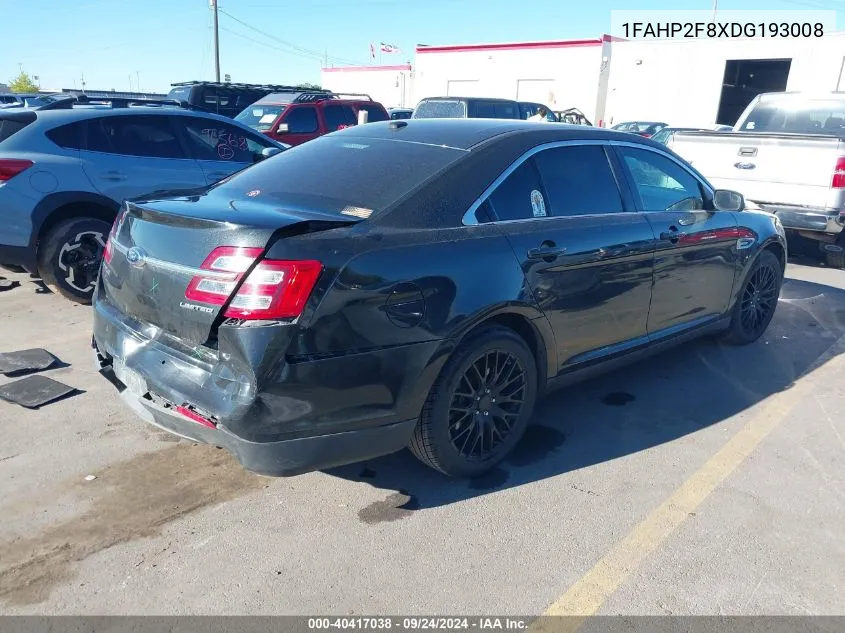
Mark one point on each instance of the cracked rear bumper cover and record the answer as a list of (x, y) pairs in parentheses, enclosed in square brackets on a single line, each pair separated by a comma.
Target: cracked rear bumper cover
[(276, 458)]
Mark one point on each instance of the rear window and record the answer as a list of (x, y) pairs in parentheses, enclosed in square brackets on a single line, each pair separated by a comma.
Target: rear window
[(441, 109), (368, 175), (260, 117), (797, 117), (9, 127), (180, 94)]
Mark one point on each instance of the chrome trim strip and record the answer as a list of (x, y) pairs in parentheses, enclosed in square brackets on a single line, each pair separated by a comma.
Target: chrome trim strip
[(469, 218), (179, 268)]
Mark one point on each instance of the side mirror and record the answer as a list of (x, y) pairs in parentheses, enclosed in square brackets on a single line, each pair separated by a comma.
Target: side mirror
[(266, 153), (282, 129), (725, 200)]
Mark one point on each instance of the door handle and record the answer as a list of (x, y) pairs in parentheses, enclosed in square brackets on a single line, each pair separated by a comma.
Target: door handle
[(547, 251), (672, 235), (114, 176)]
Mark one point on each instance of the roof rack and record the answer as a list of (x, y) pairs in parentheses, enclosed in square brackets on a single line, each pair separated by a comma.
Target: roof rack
[(353, 95), (115, 102), (268, 87)]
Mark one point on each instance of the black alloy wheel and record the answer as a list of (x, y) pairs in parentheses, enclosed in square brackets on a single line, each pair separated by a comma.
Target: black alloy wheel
[(757, 301), (479, 406), (486, 404)]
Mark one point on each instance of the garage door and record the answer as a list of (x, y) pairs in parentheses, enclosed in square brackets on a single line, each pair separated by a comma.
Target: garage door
[(536, 90), (463, 88)]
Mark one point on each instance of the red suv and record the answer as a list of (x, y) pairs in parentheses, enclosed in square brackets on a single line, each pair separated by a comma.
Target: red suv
[(294, 118)]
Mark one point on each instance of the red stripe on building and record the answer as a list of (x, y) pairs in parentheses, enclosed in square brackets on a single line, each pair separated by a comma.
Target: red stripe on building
[(356, 69), (513, 46)]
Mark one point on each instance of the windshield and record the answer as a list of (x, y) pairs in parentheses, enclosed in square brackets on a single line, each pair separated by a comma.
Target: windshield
[(260, 117), (367, 174), (441, 109), (793, 116)]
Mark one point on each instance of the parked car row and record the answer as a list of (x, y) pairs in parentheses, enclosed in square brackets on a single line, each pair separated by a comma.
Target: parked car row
[(490, 108), (65, 172)]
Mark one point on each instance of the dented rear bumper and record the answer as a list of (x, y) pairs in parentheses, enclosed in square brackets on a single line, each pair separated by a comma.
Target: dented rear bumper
[(288, 419)]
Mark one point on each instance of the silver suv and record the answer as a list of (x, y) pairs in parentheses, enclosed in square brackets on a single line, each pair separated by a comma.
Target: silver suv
[(65, 172)]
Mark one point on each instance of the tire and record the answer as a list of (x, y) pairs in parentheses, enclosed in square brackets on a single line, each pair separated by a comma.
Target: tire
[(69, 257), (443, 431), (835, 259), (757, 300)]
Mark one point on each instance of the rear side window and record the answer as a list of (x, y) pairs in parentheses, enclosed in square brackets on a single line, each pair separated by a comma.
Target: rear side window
[(441, 109), (482, 110), (520, 196), (148, 136), (68, 136), (212, 140), (374, 113), (338, 117), (302, 120), (578, 181), (9, 127), (506, 111)]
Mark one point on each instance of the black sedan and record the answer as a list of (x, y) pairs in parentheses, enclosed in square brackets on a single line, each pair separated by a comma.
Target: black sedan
[(419, 283), (646, 129)]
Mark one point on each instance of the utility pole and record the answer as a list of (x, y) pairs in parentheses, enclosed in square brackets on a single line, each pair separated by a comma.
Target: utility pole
[(138, 81), (213, 4), (715, 6)]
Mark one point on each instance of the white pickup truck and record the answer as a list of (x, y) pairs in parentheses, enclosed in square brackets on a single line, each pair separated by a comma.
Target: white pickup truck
[(786, 153)]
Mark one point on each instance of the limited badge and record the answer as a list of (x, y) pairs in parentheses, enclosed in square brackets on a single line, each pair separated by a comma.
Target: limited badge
[(538, 205)]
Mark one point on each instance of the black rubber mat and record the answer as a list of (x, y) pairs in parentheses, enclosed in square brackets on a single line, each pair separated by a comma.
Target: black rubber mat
[(34, 391), (25, 360)]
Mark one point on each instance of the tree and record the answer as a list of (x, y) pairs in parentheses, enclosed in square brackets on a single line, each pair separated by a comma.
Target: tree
[(23, 83), (307, 86)]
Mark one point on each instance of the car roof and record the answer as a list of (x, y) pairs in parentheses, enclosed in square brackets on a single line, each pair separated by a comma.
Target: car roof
[(76, 114), (498, 99), (468, 133)]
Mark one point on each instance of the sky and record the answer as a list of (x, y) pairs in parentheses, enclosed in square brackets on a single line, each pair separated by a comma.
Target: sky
[(127, 44)]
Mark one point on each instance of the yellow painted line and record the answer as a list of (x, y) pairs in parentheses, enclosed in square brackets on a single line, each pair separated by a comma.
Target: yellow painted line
[(589, 593)]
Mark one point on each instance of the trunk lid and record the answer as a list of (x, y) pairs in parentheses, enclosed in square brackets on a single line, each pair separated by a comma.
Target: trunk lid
[(158, 247), (775, 168)]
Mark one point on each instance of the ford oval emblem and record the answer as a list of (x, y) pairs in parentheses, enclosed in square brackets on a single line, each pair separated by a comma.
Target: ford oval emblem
[(136, 257), (744, 165)]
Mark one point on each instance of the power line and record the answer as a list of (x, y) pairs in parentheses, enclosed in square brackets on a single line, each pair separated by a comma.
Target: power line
[(304, 51), (265, 44)]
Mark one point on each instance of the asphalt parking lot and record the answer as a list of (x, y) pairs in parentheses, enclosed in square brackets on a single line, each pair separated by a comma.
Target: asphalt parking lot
[(707, 480)]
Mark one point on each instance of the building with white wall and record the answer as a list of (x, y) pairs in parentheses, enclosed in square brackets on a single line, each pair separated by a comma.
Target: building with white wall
[(685, 82), (688, 82), (561, 74), (389, 85)]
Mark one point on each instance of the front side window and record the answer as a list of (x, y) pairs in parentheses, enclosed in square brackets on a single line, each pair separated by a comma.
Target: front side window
[(483, 110), (662, 184), (134, 135), (302, 120), (374, 113), (520, 196), (578, 181), (213, 140)]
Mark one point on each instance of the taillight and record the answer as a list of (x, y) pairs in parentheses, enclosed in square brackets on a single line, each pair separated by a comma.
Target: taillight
[(226, 265), (274, 289), (839, 174), (11, 167)]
